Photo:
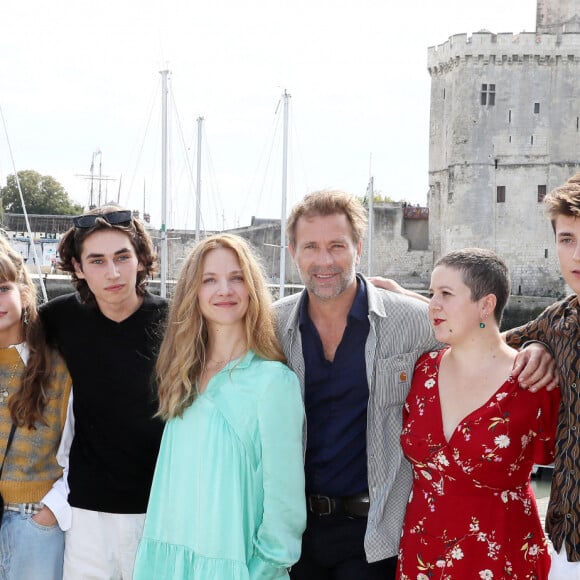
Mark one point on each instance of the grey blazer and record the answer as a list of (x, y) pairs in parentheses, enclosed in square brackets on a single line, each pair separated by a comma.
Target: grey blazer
[(399, 333)]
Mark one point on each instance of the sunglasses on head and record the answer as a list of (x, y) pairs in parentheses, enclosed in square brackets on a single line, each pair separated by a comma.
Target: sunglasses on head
[(114, 218)]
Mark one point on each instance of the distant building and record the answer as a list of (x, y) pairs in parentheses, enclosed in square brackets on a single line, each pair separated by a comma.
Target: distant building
[(505, 130), (48, 226)]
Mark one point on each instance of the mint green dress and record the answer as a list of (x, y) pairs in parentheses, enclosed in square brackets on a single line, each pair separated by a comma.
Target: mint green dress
[(227, 501)]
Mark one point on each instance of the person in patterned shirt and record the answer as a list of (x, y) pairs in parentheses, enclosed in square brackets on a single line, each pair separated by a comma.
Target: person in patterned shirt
[(559, 328)]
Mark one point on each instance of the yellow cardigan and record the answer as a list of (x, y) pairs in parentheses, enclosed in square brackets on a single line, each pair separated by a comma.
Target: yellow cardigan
[(31, 467)]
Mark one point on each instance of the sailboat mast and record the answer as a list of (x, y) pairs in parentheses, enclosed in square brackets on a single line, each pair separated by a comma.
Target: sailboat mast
[(91, 198), (284, 190), (198, 188), (100, 175), (163, 272), (371, 194)]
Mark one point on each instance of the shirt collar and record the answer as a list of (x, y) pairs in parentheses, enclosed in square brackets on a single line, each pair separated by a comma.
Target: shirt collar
[(359, 309)]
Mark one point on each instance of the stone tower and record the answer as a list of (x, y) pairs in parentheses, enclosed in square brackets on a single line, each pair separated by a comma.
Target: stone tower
[(557, 16), (504, 130)]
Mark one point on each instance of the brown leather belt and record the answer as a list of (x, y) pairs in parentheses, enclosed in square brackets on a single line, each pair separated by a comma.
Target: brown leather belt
[(354, 506)]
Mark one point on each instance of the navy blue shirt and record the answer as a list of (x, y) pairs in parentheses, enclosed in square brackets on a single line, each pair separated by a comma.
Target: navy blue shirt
[(336, 400)]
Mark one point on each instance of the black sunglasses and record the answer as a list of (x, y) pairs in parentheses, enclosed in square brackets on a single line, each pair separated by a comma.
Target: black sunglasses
[(114, 218)]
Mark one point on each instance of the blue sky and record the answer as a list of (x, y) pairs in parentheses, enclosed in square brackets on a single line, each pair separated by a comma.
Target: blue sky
[(80, 77)]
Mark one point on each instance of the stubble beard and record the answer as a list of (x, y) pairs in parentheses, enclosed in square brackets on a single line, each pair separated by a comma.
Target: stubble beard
[(345, 280)]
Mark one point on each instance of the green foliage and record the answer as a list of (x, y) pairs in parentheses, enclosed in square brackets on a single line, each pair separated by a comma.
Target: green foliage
[(377, 198), (42, 195)]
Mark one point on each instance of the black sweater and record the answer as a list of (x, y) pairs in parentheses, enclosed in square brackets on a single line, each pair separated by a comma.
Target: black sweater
[(116, 438)]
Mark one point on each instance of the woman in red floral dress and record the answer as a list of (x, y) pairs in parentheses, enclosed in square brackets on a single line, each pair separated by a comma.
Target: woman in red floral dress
[(472, 435)]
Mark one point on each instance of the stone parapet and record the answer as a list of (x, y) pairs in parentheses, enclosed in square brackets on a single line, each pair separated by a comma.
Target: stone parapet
[(505, 48)]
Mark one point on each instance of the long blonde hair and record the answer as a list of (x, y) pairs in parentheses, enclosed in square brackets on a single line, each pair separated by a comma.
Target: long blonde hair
[(184, 348)]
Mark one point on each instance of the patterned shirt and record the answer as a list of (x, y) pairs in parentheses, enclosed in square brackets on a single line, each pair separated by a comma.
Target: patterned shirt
[(559, 327)]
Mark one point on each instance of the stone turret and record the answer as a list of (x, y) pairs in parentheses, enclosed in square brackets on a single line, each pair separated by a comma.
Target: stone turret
[(504, 130)]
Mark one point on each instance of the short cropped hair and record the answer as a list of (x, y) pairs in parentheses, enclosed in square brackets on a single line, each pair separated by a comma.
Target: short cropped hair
[(71, 247), (329, 202), (483, 272)]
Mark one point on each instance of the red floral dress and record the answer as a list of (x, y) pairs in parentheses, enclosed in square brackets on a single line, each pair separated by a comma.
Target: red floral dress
[(472, 513)]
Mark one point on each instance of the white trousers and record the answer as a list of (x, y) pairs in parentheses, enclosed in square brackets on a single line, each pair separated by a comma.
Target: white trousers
[(562, 569), (101, 546)]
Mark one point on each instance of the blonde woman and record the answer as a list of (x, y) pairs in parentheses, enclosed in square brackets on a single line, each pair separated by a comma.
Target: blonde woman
[(227, 500)]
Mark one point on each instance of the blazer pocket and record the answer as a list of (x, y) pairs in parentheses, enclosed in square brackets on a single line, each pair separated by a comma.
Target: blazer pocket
[(393, 379)]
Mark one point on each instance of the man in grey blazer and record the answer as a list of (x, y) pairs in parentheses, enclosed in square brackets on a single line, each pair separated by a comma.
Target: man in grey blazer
[(354, 348)]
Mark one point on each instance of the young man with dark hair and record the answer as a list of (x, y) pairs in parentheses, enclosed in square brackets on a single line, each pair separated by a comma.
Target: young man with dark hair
[(559, 327), (108, 332)]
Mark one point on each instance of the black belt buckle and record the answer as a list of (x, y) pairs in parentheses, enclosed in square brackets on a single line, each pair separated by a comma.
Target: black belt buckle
[(318, 509)]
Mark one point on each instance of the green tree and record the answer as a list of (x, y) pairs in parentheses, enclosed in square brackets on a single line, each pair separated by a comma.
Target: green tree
[(378, 197), (42, 195)]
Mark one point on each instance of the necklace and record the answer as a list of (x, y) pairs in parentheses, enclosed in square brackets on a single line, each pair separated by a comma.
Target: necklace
[(7, 378), (218, 365)]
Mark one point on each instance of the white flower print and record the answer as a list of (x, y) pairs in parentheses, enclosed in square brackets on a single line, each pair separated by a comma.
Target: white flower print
[(492, 549), (441, 459), (433, 354), (502, 441), (497, 435)]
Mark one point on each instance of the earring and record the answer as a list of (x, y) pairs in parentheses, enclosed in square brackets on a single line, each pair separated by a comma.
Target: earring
[(482, 324), (25, 317)]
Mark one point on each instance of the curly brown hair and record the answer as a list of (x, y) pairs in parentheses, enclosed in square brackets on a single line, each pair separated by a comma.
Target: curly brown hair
[(71, 246)]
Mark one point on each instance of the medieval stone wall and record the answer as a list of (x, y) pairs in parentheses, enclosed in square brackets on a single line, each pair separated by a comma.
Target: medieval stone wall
[(399, 247), (504, 129)]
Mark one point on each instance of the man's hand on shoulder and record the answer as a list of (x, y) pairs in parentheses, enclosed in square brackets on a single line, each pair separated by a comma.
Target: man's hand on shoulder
[(392, 286), (535, 368)]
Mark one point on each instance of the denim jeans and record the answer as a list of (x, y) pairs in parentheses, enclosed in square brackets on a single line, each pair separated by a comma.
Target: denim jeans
[(29, 550)]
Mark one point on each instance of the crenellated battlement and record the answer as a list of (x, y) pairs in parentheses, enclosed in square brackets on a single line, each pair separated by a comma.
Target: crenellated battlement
[(484, 47)]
